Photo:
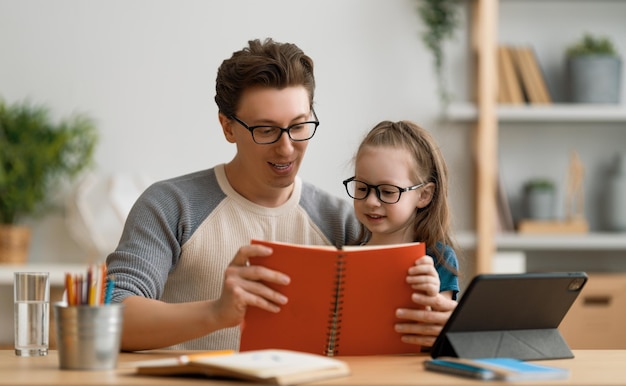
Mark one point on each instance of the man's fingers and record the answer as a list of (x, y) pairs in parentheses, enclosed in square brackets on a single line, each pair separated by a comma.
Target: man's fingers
[(247, 284), (257, 273), (424, 316), (421, 340), (437, 303), (247, 251)]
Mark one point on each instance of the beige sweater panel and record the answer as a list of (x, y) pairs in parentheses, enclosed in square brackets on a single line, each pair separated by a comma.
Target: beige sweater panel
[(235, 221)]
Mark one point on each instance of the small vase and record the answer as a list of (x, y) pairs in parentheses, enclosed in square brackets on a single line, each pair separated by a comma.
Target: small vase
[(616, 196), (540, 203), (594, 78), (14, 244)]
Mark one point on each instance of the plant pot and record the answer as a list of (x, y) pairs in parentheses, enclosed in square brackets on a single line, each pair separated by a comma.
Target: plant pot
[(540, 204), (594, 78), (14, 244)]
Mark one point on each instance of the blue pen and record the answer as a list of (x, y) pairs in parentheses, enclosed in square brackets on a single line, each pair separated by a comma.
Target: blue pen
[(109, 289)]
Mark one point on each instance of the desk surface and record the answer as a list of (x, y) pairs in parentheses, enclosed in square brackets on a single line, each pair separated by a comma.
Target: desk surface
[(589, 367)]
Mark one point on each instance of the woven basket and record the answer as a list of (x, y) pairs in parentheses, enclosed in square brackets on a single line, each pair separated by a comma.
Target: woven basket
[(14, 244)]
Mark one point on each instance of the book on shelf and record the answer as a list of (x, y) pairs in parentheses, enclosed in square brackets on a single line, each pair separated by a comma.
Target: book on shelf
[(503, 90), (504, 220), (509, 89), (530, 75), (539, 78), (341, 301), (504, 369), (276, 367)]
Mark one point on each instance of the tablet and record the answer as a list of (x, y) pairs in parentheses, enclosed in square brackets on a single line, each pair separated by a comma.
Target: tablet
[(511, 315)]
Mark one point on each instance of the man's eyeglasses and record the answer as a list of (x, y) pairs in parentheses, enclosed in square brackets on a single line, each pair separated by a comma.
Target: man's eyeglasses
[(387, 193), (298, 132)]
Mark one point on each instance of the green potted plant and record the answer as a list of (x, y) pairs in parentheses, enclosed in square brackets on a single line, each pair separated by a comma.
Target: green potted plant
[(540, 195), (36, 156), (440, 19), (593, 70)]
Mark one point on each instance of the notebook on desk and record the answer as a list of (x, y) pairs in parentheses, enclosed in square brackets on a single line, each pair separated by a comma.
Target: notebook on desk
[(511, 315)]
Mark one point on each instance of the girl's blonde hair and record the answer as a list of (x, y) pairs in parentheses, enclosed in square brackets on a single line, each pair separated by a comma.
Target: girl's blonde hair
[(432, 222)]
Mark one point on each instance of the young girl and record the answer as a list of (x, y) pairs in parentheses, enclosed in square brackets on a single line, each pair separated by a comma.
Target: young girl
[(400, 195)]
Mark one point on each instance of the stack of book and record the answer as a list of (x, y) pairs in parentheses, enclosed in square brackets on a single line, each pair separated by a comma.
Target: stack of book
[(520, 78)]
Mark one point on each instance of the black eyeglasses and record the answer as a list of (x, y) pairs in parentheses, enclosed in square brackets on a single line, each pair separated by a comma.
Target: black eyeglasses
[(387, 193), (299, 132)]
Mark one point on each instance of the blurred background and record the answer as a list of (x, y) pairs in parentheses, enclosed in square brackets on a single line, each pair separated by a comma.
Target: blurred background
[(145, 71)]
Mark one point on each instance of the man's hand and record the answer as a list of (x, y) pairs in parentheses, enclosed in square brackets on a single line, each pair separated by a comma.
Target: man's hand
[(433, 309), (427, 322), (243, 287)]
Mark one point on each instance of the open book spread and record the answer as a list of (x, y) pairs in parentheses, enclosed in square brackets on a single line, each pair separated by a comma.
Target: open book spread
[(277, 367), (341, 301)]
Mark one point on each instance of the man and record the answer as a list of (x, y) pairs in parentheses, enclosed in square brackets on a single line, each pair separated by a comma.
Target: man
[(174, 266)]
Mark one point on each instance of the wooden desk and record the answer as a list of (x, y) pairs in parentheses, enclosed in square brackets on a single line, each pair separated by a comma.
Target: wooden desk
[(590, 367)]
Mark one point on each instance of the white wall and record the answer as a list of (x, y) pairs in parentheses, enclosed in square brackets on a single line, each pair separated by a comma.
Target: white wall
[(146, 69)]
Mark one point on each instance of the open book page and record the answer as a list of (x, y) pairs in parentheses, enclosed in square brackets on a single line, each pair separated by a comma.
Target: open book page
[(341, 302), (271, 363), (280, 367), (303, 323), (375, 286)]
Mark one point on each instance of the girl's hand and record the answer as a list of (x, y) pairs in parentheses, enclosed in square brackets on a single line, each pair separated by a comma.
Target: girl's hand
[(424, 323), (423, 276)]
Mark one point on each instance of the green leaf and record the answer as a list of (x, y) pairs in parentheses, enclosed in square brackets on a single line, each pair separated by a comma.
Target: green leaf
[(440, 18), (36, 154), (592, 45)]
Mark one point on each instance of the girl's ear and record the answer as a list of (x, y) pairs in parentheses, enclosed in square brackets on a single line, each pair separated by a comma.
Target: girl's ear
[(227, 128), (426, 195)]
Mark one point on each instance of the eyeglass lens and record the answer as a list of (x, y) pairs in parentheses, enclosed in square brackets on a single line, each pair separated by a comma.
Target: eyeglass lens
[(297, 132), (389, 194)]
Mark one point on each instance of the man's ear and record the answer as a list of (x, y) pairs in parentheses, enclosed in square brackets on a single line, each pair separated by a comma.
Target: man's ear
[(227, 127), (426, 195)]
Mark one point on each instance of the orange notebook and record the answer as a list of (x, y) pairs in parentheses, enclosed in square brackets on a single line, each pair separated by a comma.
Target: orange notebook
[(341, 302)]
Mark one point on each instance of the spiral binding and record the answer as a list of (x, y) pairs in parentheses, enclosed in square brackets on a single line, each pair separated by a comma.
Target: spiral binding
[(336, 308)]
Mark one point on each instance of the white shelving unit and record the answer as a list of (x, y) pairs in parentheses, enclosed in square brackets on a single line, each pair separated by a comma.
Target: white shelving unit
[(467, 112), (515, 241), (587, 122), (57, 271)]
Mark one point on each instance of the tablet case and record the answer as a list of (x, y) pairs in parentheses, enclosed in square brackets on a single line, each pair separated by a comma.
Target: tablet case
[(511, 315)]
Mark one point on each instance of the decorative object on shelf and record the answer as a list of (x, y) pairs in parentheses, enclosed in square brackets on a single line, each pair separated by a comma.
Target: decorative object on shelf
[(14, 243), (441, 20), (574, 196), (616, 195), (540, 196), (37, 156), (574, 220), (593, 71)]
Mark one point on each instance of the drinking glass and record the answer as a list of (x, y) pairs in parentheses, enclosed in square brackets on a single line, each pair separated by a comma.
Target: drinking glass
[(31, 313)]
